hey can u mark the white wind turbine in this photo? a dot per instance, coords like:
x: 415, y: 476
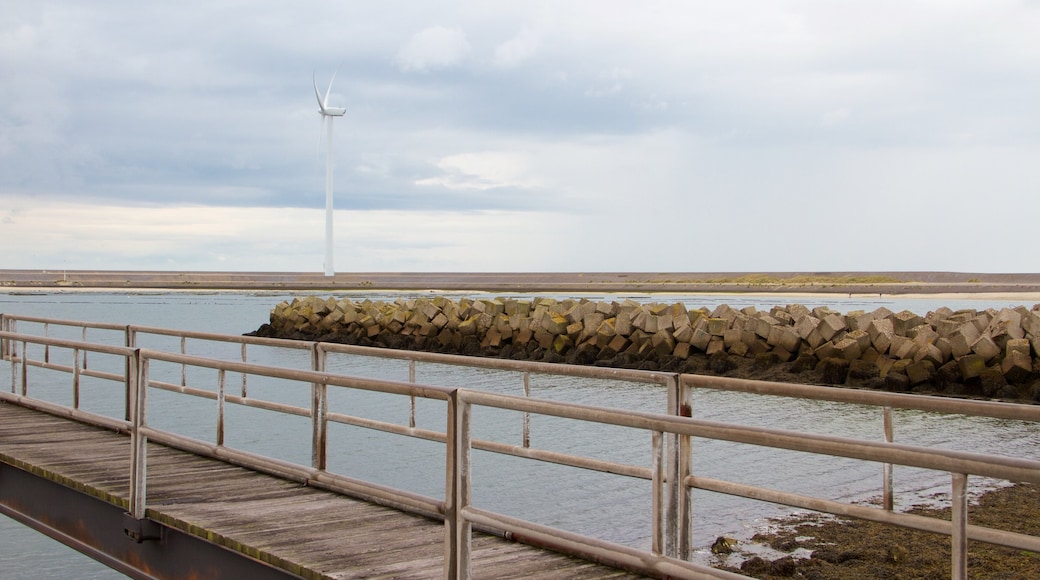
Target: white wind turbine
x: 328, y: 113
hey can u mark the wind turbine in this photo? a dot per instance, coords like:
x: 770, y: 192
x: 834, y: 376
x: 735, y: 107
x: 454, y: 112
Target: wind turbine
x: 328, y: 113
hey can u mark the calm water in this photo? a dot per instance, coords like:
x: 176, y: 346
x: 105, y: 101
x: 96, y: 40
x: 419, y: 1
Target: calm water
x: 610, y: 507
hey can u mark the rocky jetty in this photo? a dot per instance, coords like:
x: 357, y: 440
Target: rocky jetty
x: 982, y: 353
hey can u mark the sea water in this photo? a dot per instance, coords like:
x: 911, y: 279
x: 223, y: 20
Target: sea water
x: 611, y: 507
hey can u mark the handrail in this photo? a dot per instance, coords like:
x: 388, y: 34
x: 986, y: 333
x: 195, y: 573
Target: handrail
x: 994, y: 409
x: 667, y: 555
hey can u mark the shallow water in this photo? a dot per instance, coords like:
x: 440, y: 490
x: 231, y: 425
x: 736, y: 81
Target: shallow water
x: 607, y: 506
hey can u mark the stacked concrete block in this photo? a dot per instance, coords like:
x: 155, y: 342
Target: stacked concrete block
x: 944, y: 348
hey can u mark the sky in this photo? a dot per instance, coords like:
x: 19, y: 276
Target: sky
x: 535, y: 136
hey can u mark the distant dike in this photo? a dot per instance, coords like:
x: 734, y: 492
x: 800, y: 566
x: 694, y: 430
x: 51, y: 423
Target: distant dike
x: 884, y: 283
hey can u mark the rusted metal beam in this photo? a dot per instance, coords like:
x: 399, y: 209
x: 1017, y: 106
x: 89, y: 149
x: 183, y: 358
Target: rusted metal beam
x: 106, y: 533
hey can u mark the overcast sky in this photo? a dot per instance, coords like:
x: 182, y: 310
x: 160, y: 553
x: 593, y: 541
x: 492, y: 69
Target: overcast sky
x: 522, y: 136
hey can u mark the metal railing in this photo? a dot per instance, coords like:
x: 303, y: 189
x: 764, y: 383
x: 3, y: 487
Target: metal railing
x: 671, y: 456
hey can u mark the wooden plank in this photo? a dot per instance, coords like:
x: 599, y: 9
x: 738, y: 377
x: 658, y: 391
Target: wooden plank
x: 275, y: 520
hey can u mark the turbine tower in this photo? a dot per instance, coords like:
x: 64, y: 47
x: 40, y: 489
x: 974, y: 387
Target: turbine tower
x: 328, y: 113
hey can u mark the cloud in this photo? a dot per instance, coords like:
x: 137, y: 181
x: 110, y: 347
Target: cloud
x: 481, y: 171
x: 436, y: 47
x: 666, y: 135
x: 518, y: 49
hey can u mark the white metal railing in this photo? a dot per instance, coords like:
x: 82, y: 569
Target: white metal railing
x: 670, y: 435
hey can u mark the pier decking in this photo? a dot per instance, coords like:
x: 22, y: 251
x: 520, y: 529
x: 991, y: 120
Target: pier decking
x: 300, y: 530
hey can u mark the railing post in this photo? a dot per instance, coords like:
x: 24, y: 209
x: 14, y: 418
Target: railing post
x: 137, y: 386
x: 959, y: 519
x: 888, y: 497
x: 85, y: 352
x: 25, y: 369
x: 319, y: 410
x: 75, y: 377
x: 5, y: 344
x: 244, y: 375
x: 658, y: 495
x: 411, y: 398
x: 130, y: 340
x: 184, y: 367
x: 221, y: 394
x: 527, y: 416
x: 678, y: 541
x: 457, y: 487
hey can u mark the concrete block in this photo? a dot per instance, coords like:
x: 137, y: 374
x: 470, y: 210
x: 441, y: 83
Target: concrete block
x: 732, y: 336
x: 1017, y: 345
x: 981, y: 321
x: 683, y: 333
x: 781, y: 315
x: 700, y: 339
x: 663, y: 342
x: 717, y: 326
x: 986, y: 348
x: 902, y: 347
x: 971, y: 366
x: 883, y: 343
x: 764, y: 324
x: 923, y: 334
x: 943, y: 344
x: 903, y: 321
x: 591, y: 323
x: 806, y: 325
x: 739, y: 349
x: 847, y: 349
x: 870, y: 354
x: 758, y: 346
x: 962, y: 339
x: 826, y: 350
x: 1007, y: 322
x: 715, y: 345
x: 797, y: 311
x: 814, y: 339
x: 883, y: 364
x: 783, y: 354
x: 1017, y: 367
x: 946, y: 327
x: 724, y: 311
x: 619, y: 344
x: 830, y: 326
x: 920, y: 372
x: 623, y: 322
x: 861, y: 338
x: 784, y: 337
x: 929, y: 352
x: 899, y: 366
x: 881, y: 312
x: 852, y: 320
x: 1031, y: 323
x: 682, y: 350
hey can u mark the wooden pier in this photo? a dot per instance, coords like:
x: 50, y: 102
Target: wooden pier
x: 299, y: 530
x: 153, y: 503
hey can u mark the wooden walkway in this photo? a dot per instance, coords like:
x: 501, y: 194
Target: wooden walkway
x: 306, y: 531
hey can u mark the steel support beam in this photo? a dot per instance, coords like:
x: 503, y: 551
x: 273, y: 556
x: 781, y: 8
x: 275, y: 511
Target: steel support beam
x: 106, y: 533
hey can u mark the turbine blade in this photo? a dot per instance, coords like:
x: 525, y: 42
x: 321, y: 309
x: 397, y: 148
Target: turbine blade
x: 329, y: 90
x: 317, y: 94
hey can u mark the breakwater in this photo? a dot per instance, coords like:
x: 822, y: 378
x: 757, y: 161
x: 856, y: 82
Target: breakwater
x: 984, y: 353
